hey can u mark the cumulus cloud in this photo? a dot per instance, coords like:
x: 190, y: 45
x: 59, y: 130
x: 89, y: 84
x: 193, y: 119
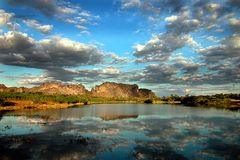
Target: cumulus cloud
x: 156, y: 73
x: 112, y: 58
x: 63, y: 11
x: 84, y: 76
x: 20, y: 49
x: 153, y: 6
x: 188, y: 74
x: 92, y: 75
x: 215, y: 65
x: 182, y: 23
x: 160, y: 47
x: 35, y: 80
x: 224, y: 76
x: 234, y: 24
x: 36, y: 25
x: 211, y: 38
x: 47, y: 7
x: 229, y: 48
x: 6, y: 19
x: 80, y: 18
x: 206, y: 89
x: 131, y: 3
x: 55, y: 55
x: 17, y: 48
x: 185, y: 65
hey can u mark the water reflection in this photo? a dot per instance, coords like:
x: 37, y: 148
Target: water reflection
x: 115, y: 117
x: 121, y: 132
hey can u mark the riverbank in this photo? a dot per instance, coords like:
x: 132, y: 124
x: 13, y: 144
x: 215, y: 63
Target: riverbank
x: 13, y: 101
x: 18, y: 105
x: 13, y: 105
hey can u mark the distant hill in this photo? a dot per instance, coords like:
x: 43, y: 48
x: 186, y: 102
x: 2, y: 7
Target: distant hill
x: 106, y: 90
x: 58, y: 88
x: 111, y: 89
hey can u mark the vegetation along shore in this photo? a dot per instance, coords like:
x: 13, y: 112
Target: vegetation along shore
x: 56, y: 95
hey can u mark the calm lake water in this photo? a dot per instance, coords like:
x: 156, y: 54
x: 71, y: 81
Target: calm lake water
x: 121, y: 131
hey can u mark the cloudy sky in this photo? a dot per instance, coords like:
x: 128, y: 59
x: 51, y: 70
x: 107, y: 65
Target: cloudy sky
x: 169, y: 46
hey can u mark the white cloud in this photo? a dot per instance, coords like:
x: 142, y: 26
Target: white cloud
x: 131, y: 3
x: 19, y: 49
x: 234, y: 23
x: 213, y: 7
x: 212, y: 38
x: 36, y: 25
x: 35, y: 79
x: 171, y: 18
x: 66, y: 10
x: 160, y: 47
x: 5, y: 17
x: 182, y: 23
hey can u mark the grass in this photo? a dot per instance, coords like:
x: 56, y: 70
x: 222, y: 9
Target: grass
x: 41, y: 100
x: 70, y: 99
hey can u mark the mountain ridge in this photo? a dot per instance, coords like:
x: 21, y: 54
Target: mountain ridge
x: 106, y: 89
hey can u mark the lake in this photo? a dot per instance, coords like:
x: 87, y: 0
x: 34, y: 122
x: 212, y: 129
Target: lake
x: 121, y: 131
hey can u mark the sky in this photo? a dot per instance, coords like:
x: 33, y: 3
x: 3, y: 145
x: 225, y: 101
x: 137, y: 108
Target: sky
x: 170, y: 46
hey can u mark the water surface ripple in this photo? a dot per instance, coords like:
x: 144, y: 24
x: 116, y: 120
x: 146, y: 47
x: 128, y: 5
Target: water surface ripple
x: 121, y: 131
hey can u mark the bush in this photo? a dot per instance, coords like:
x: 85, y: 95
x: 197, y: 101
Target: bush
x: 148, y: 101
x: 41, y: 98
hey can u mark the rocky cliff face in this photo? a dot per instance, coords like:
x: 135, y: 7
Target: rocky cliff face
x: 107, y: 89
x: 146, y: 93
x: 119, y: 90
x: 2, y: 87
x: 57, y: 88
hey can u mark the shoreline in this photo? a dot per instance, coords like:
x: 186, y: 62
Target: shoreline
x: 17, y: 105
x: 29, y: 105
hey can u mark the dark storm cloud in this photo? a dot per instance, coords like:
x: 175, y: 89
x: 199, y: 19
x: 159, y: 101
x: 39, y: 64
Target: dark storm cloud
x: 47, y: 7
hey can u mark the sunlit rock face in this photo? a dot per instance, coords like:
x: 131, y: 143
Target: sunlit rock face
x: 111, y: 89
x: 146, y: 93
x: 57, y: 88
x: 2, y: 87
x: 107, y: 89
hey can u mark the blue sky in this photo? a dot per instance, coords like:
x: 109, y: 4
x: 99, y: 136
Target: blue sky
x: 172, y: 47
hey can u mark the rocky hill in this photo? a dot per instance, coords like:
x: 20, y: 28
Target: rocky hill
x: 2, y: 87
x: 57, y: 88
x: 119, y: 90
x: 107, y: 89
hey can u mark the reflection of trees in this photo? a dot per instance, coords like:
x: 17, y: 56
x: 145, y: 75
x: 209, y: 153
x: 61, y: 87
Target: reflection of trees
x: 115, y: 117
